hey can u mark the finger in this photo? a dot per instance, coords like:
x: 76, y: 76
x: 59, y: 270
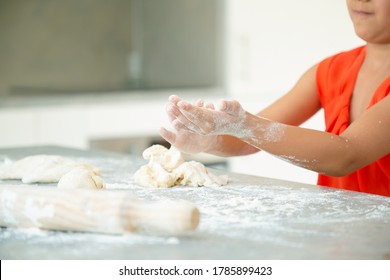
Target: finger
x: 168, y: 135
x: 196, y: 119
x: 183, y: 122
x: 177, y: 125
x: 229, y: 106
x: 193, y: 113
x: 209, y: 106
x: 175, y: 114
x: 199, y: 103
x: 174, y: 99
x: 183, y: 105
x: 188, y: 109
x: 223, y: 105
x: 172, y: 111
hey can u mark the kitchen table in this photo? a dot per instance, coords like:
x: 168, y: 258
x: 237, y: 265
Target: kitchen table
x: 250, y: 218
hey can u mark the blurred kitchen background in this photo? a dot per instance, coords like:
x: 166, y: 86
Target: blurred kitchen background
x: 97, y: 73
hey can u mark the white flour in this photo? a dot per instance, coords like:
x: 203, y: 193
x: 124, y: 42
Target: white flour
x: 35, y: 211
x: 8, y: 199
x: 249, y: 210
x: 274, y: 132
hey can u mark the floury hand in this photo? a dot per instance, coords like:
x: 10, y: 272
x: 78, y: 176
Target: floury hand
x: 230, y: 119
x: 182, y: 138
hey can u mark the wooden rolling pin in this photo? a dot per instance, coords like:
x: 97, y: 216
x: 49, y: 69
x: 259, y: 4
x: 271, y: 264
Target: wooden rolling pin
x: 104, y: 211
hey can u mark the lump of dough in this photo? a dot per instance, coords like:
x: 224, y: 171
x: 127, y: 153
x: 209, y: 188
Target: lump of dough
x: 196, y: 174
x: 154, y: 175
x: 168, y: 159
x: 166, y: 168
x: 41, y: 168
x: 81, y: 178
x: 37, y: 168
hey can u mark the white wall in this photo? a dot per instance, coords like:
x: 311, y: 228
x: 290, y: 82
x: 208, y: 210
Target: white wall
x: 269, y: 46
x: 271, y: 43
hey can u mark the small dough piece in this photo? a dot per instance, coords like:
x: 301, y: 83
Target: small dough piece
x: 166, y: 168
x: 168, y: 159
x: 38, y: 168
x: 50, y: 169
x: 154, y: 175
x: 81, y: 178
x: 195, y: 174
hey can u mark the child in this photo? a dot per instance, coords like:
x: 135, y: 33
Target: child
x: 352, y: 87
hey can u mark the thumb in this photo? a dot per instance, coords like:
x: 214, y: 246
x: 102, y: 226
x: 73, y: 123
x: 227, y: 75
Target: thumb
x: 229, y: 106
x: 168, y: 135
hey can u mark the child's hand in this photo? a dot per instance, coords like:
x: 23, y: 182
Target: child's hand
x: 230, y: 119
x: 182, y: 138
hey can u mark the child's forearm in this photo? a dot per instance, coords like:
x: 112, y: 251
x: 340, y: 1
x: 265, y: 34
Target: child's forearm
x: 228, y: 146
x: 311, y: 149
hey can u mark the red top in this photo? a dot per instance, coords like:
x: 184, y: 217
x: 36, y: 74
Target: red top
x: 336, y: 78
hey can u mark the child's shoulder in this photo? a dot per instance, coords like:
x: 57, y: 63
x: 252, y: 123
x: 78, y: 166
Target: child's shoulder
x: 334, y: 66
x: 345, y: 57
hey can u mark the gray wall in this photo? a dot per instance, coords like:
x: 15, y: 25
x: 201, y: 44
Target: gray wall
x: 103, y: 45
x: 181, y: 43
x: 65, y: 45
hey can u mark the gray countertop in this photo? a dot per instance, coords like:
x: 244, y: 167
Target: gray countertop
x: 250, y: 218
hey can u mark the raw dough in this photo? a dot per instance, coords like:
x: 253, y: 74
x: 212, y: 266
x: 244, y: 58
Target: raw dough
x: 195, y: 174
x: 38, y: 168
x: 154, y: 175
x: 166, y: 168
x: 50, y: 169
x: 168, y: 159
x: 81, y: 178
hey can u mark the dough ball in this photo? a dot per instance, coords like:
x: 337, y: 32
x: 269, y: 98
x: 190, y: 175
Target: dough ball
x: 50, y: 169
x: 196, y: 174
x: 166, y: 168
x: 168, y: 159
x: 37, y: 168
x: 154, y: 175
x: 81, y: 178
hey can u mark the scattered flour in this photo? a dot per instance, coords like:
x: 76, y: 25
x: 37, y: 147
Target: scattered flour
x: 274, y: 132
x: 34, y: 211
x: 8, y: 199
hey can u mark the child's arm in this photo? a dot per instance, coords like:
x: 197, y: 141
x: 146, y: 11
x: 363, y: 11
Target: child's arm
x: 364, y: 141
x: 294, y: 108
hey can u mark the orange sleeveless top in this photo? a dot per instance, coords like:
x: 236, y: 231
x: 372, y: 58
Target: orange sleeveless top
x: 336, y: 78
